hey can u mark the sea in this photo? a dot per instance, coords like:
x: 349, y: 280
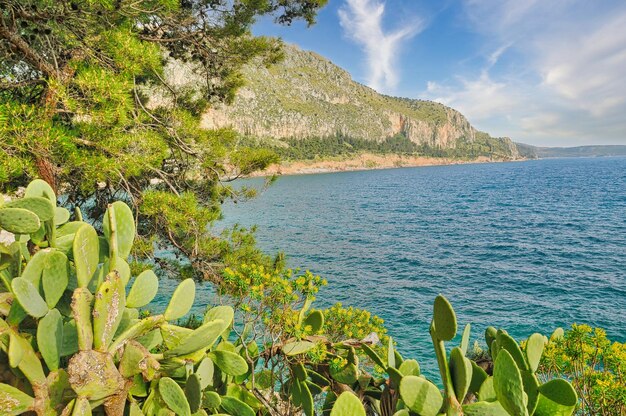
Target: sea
x: 523, y: 246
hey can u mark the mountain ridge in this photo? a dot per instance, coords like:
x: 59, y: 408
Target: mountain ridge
x: 574, y: 151
x: 307, y: 96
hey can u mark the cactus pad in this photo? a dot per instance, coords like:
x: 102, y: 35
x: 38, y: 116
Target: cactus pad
x: 490, y: 335
x: 193, y: 392
x: 507, y: 342
x: 508, y: 384
x: 347, y: 404
x: 85, y: 252
x: 484, y: 409
x: 14, y: 401
x: 557, y: 398
x: 50, y: 338
x: 421, y: 396
x: 205, y: 372
x: 34, y: 268
x: 444, y: 319
x: 108, y: 310
x: 478, y: 378
x: 534, y: 350
x: 234, y: 406
x: 557, y: 334
x: 229, y: 362
x: 55, y: 277
x: 486, y: 391
x: 61, y: 216
x: 531, y: 388
x: 174, y: 397
x: 409, y: 368
x: 314, y: 321
x: 297, y: 347
x: 144, y: 289
x: 125, y: 227
x: 40, y: 188
x: 81, y: 312
x: 465, y: 338
x: 200, y: 338
x: 29, y: 297
x: 42, y: 207
x: 19, y: 220
x: 461, y: 371
x: 93, y: 375
x: 181, y: 301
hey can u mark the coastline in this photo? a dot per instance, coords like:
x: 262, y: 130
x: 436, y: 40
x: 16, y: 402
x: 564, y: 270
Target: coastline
x: 366, y: 161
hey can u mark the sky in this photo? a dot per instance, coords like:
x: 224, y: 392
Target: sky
x: 543, y: 72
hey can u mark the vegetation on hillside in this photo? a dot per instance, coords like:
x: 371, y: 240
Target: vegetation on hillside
x: 294, y: 149
x: 581, y: 151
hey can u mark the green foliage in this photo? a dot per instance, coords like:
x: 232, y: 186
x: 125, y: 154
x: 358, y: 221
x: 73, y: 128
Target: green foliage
x: 87, y: 103
x: 595, y: 365
x: 107, y: 356
x: 467, y: 389
x: 347, y: 404
x: 311, y: 148
x: 93, y: 350
x: 353, y: 323
x: 482, y: 145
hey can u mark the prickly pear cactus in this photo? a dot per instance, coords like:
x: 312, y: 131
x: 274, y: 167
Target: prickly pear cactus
x: 90, y: 351
x: 73, y: 342
x: 347, y: 404
x: 514, y: 389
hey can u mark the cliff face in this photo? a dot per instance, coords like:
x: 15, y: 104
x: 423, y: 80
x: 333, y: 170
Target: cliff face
x: 308, y: 96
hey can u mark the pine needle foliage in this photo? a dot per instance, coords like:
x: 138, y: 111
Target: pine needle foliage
x: 78, y: 81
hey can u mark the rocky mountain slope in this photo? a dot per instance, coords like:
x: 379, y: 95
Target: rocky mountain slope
x: 307, y: 96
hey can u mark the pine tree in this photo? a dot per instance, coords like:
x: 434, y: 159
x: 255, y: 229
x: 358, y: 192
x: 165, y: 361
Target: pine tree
x: 77, y: 86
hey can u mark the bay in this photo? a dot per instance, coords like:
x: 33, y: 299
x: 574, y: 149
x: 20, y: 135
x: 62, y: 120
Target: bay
x: 524, y: 246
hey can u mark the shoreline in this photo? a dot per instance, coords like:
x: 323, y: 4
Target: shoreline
x: 367, y: 161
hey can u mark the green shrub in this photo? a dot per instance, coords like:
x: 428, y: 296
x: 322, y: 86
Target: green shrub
x: 595, y: 365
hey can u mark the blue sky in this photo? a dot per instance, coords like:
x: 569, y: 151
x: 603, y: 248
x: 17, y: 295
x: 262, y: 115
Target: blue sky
x: 544, y: 72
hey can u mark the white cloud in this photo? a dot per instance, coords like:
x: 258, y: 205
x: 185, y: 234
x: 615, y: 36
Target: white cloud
x: 588, y: 68
x: 495, y: 55
x: 479, y: 99
x: 362, y: 21
x: 567, y: 83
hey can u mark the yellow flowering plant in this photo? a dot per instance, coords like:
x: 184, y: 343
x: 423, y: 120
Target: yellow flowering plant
x: 595, y: 365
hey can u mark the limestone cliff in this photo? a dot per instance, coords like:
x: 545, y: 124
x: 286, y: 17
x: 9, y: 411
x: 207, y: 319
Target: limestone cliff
x: 308, y: 96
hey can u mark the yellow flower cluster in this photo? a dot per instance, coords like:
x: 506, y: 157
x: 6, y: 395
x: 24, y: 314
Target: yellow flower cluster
x: 275, y: 296
x: 353, y: 322
x: 595, y: 365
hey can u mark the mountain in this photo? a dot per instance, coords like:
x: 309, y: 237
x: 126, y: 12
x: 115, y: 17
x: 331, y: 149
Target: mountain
x: 308, y: 97
x: 581, y: 151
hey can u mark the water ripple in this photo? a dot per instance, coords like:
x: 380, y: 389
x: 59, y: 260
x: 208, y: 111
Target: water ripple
x: 526, y: 246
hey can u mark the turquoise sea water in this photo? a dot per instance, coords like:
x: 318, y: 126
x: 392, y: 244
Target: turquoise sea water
x: 525, y: 246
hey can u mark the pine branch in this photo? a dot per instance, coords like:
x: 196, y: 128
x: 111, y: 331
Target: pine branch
x: 29, y: 54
